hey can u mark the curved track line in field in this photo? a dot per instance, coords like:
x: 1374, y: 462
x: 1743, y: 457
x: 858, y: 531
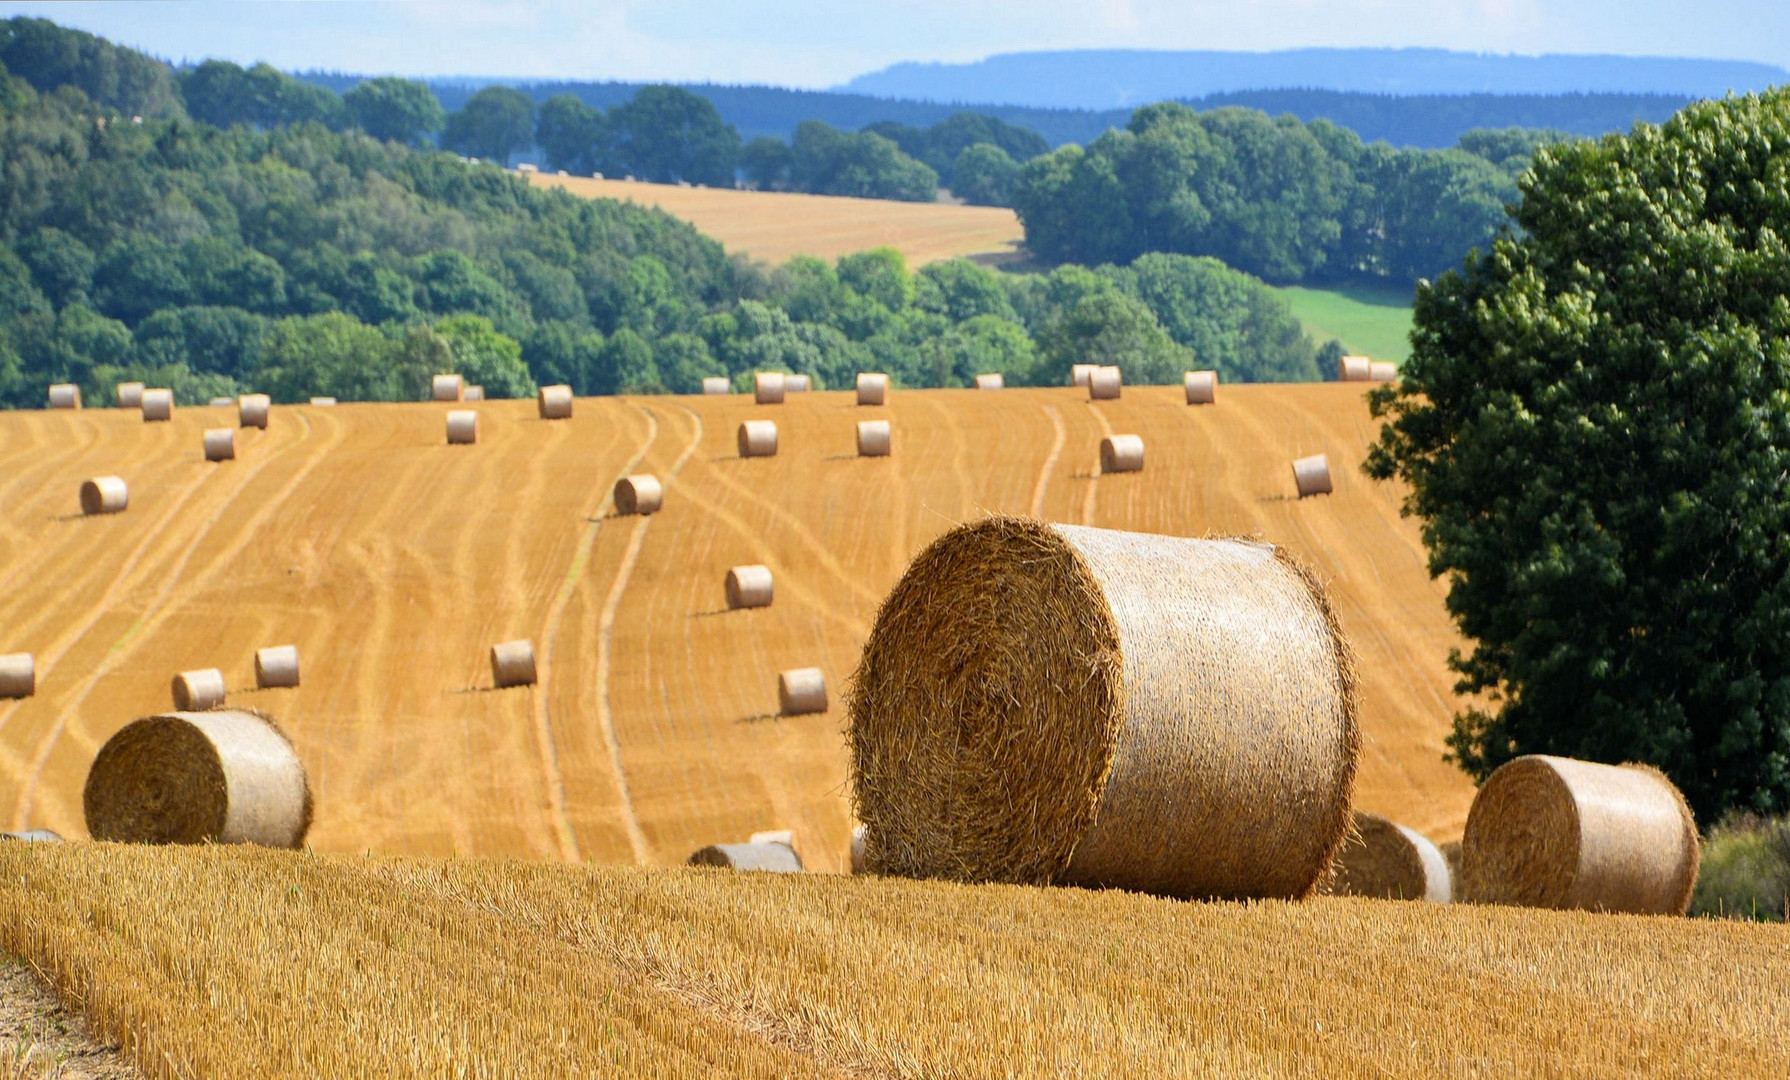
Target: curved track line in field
x: 605, y: 637
x: 1087, y: 500
x: 1050, y: 460
x: 545, y: 740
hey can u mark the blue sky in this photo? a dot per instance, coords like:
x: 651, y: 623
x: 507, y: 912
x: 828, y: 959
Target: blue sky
x: 824, y: 42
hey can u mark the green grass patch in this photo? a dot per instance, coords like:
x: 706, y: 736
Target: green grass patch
x: 1372, y: 320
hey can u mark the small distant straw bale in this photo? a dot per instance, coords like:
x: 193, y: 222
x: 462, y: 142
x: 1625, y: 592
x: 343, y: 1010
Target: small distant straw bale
x: 1354, y: 369
x: 104, y: 495
x: 158, y: 404
x: 1387, y: 860
x: 447, y: 388
x: 639, y: 494
x: 18, y: 675
x: 462, y: 427
x: 1312, y: 475
x: 252, y: 410
x: 323, y: 402
x: 1104, y: 383
x: 749, y: 586
x: 475, y: 392
x: 130, y: 395
x: 221, y: 402
x: 228, y: 776
x: 795, y: 384
x: 1553, y: 832
x: 34, y: 836
x: 990, y: 381
x: 801, y: 690
x: 1121, y: 453
x: 716, y: 384
x: 874, y: 438
x: 758, y: 438
x: 220, y: 444
x: 1382, y: 371
x: 513, y: 664
x: 873, y: 388
x: 65, y: 395
x: 554, y: 402
x: 1080, y: 373
x: 773, y: 857
x: 198, y: 690
x: 767, y: 387
x: 1201, y: 386
x: 276, y: 666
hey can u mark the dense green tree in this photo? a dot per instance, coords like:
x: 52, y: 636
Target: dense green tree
x: 139, y: 276
x: 879, y: 274
x: 562, y: 352
x: 1595, y: 426
x: 684, y: 360
x: 767, y: 163
x: 960, y: 290
x: 1231, y: 321
x: 60, y: 265
x: 667, y: 134
x: 222, y: 93
x: 940, y: 146
x: 19, y: 295
x: 862, y: 164
x: 486, y: 357
x: 394, y: 110
x: 980, y: 345
x: 1510, y: 148
x: 1110, y: 328
x: 48, y: 56
x: 573, y: 135
x: 337, y: 355
x: 211, y: 340
x: 984, y: 175
x: 495, y: 123
x: 627, y: 367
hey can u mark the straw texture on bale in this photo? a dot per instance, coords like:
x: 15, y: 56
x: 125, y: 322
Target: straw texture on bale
x: 158, y: 404
x: 1386, y: 860
x: 1558, y: 833
x: 873, y: 388
x: 513, y: 664
x: 749, y: 586
x: 1079, y: 373
x: 473, y: 393
x: 857, y: 850
x: 767, y: 387
x: 990, y: 381
x: 1451, y: 853
x: 34, y: 836
x: 874, y: 438
x: 1050, y: 703
x: 323, y: 402
x: 104, y: 495
x: 773, y: 857
x: 65, y: 396
x: 795, y: 384
x: 229, y: 776
x: 554, y: 402
x: 198, y: 690
x: 221, y: 402
x: 1354, y: 369
x: 640, y: 494
x: 716, y: 384
x: 1201, y: 386
x: 1104, y: 384
x: 18, y: 675
x: 447, y: 388
x: 276, y: 666
x: 1382, y: 371
x: 758, y: 438
x: 220, y: 444
x: 1311, y: 475
x: 462, y: 427
x: 801, y: 691
x: 1122, y: 453
x: 130, y: 395
x: 252, y: 410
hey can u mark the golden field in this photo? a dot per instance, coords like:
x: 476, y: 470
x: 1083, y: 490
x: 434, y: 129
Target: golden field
x: 771, y: 226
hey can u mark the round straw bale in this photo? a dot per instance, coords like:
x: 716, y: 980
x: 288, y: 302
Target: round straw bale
x: 1104, y: 383
x: 252, y: 409
x: 1382, y: 371
x: 774, y: 857
x: 795, y: 384
x: 130, y: 395
x: 639, y: 494
x: 990, y: 381
x: 1122, y: 453
x: 773, y: 836
x: 198, y: 690
x: 1201, y: 386
x: 447, y: 388
x: 276, y: 665
x: 716, y: 384
x: 767, y: 387
x: 801, y: 690
x: 873, y: 388
x: 220, y: 444
x: 474, y: 392
x: 1080, y: 373
x: 554, y: 402
x: 1558, y: 833
x: 857, y: 850
x: 1050, y: 703
x: 221, y: 402
x: 874, y: 438
x: 1386, y: 860
x: 758, y: 438
x: 104, y: 495
x: 323, y: 402
x: 749, y: 586
x: 1312, y: 475
x: 462, y: 427
x: 1354, y: 369
x: 34, y: 836
x: 1451, y: 853
x: 65, y: 395
x: 158, y: 404
x: 228, y: 777
x: 18, y: 675
x: 513, y: 664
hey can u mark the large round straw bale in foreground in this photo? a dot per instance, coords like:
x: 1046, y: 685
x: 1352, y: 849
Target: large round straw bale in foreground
x: 1354, y: 369
x: 767, y: 387
x: 65, y: 396
x: 276, y: 665
x: 227, y: 777
x: 801, y: 691
x: 1389, y: 861
x: 1049, y: 703
x: 104, y: 495
x: 220, y: 444
x: 130, y: 395
x: 1558, y: 833
x: 18, y: 675
x: 873, y: 388
x: 1311, y: 475
x: 462, y: 427
x: 1104, y: 384
x: 447, y: 388
x: 716, y: 384
x: 513, y: 664
x: 252, y: 409
x: 758, y: 438
x: 990, y: 381
x: 554, y: 402
x: 874, y: 438
x: 749, y: 586
x: 1122, y: 453
x: 1080, y: 373
x: 198, y: 690
x: 158, y: 404
x: 772, y: 856
x: 1201, y: 387
x: 640, y: 494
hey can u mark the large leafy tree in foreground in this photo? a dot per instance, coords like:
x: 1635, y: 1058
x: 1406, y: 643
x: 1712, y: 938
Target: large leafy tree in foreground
x: 1595, y: 423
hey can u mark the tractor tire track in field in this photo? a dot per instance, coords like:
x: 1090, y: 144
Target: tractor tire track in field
x: 1050, y: 461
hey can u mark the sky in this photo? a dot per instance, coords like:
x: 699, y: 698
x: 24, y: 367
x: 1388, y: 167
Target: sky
x: 820, y: 43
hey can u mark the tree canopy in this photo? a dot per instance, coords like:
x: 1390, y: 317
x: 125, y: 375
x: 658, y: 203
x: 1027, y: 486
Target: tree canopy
x: 496, y: 122
x: 394, y: 109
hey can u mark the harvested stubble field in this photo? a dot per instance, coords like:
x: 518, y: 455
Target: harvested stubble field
x: 394, y: 562
x: 771, y: 226
x: 246, y: 962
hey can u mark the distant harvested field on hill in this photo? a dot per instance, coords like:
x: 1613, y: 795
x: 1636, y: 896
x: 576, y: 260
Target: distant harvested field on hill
x: 1371, y: 321
x: 771, y: 226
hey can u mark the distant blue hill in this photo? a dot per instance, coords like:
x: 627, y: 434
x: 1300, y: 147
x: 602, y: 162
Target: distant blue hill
x: 1116, y: 78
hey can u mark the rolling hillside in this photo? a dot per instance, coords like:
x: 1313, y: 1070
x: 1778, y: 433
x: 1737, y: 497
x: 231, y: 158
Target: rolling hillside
x: 394, y: 561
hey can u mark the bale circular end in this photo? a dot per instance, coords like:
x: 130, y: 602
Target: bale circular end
x: 198, y: 690
x: 158, y: 404
x: 1201, y: 387
x: 513, y: 664
x: 639, y: 495
x: 990, y: 381
x: 1121, y: 453
x: 228, y: 777
x: 447, y: 388
x: 1104, y: 383
x: 1311, y: 475
x: 18, y: 675
x: 774, y: 857
x: 875, y: 438
x: 801, y: 691
x: 768, y: 387
x: 276, y: 666
x: 65, y: 396
x: 462, y: 427
x: 1390, y: 862
x: 220, y: 444
x: 749, y: 586
x: 758, y: 438
x: 252, y: 410
x: 1354, y: 369
x: 554, y: 402
x: 873, y: 388
x: 104, y: 495
x: 130, y: 395
x: 716, y: 384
